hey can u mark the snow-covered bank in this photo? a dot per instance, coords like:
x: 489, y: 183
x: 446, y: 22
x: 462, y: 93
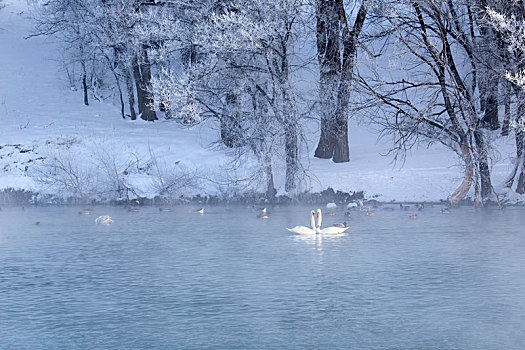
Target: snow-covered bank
x: 52, y: 144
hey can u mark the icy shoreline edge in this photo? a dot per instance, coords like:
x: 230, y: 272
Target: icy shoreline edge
x: 14, y: 197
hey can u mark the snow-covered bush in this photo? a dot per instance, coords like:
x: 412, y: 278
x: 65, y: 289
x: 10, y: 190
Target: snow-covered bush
x: 101, y: 170
x: 171, y: 180
x: 63, y: 174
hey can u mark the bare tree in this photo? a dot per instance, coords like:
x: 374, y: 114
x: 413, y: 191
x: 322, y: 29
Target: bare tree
x: 105, y: 36
x: 434, y: 94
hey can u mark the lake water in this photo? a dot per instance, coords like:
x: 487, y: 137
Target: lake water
x: 227, y: 280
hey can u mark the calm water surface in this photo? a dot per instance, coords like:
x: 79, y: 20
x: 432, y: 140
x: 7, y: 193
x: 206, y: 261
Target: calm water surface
x: 227, y: 280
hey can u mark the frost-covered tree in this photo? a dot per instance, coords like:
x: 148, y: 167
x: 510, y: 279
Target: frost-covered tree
x: 238, y: 65
x: 508, y: 18
x: 263, y: 32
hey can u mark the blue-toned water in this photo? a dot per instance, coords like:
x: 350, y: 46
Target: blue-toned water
x: 227, y: 280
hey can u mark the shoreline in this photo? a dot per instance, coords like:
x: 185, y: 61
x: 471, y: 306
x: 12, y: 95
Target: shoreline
x: 20, y: 197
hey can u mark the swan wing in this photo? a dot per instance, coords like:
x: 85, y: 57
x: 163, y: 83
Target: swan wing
x: 333, y: 230
x: 301, y: 230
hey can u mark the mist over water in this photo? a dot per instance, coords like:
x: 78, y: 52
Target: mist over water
x: 227, y: 280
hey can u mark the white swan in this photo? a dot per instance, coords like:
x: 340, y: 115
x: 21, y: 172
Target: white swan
x: 104, y: 220
x: 303, y: 230
x: 332, y: 230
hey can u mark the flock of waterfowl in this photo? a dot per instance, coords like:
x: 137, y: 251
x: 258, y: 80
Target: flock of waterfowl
x: 315, y: 227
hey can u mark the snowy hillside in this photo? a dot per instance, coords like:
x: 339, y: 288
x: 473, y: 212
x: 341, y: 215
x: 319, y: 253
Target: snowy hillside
x: 41, y: 118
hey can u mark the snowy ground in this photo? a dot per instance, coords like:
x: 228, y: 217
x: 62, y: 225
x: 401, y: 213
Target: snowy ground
x: 41, y: 118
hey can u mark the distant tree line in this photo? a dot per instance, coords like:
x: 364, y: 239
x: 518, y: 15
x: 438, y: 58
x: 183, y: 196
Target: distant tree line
x: 422, y: 71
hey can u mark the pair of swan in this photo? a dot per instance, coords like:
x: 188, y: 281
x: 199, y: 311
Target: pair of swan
x: 303, y: 230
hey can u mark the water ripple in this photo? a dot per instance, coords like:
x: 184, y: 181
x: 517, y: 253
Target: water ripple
x: 232, y: 281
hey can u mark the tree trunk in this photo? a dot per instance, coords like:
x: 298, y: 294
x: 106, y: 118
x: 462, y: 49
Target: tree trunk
x: 142, y: 76
x: 270, y: 187
x: 138, y: 79
x: 131, y: 94
x: 328, y: 55
x: 291, y: 151
x: 520, y: 188
x: 490, y: 118
x: 230, y: 127
x: 482, y: 87
x: 84, y: 84
x: 483, y: 165
x: 148, y: 112
x: 122, y: 109
x: 341, y: 150
x: 114, y: 66
x: 520, y: 136
x: 325, y: 147
x: 464, y: 187
x: 509, y: 181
